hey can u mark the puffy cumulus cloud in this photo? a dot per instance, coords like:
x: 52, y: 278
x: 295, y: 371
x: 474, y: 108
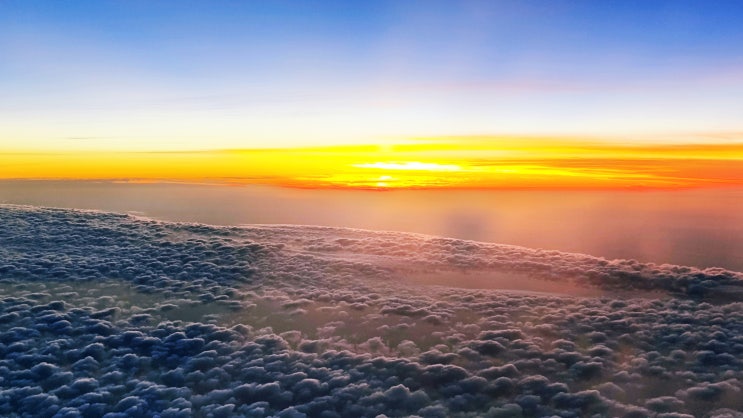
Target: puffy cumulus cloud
x: 116, y: 316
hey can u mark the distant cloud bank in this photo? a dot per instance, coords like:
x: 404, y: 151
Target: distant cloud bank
x: 112, y: 315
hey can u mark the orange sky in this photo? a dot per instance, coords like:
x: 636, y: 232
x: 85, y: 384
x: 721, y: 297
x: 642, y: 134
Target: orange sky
x: 447, y: 162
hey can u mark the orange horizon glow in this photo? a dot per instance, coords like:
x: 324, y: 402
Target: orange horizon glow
x: 434, y: 163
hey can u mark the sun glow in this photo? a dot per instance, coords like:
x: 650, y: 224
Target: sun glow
x: 497, y: 163
x: 410, y: 165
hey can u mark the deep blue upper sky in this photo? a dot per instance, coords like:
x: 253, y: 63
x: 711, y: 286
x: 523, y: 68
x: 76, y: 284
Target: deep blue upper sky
x: 179, y: 73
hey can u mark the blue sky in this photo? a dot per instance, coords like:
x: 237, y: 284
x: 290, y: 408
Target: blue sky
x: 143, y: 74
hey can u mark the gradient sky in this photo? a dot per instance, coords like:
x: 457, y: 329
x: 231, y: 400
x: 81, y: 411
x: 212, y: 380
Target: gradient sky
x: 131, y: 76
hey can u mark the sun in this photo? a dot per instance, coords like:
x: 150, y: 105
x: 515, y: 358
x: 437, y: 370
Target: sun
x: 383, y: 182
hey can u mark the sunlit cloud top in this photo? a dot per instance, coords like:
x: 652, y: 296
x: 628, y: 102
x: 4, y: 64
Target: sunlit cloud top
x: 136, y: 75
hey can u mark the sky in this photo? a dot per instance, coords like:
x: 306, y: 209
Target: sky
x: 493, y: 94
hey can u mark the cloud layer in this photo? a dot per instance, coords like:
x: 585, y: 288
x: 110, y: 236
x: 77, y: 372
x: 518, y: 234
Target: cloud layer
x: 112, y: 315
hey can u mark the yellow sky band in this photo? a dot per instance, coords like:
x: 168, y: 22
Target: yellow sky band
x: 443, y: 163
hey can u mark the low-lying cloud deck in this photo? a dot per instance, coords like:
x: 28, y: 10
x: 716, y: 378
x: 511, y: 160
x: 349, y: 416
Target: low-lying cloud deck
x: 113, y: 315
